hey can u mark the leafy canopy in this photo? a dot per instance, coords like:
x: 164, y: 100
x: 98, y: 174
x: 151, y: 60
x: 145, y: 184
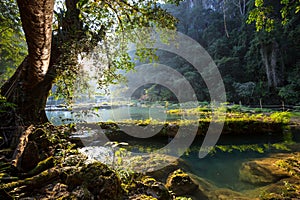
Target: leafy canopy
x: 94, y: 29
x: 263, y: 14
x: 106, y: 27
x: 12, y: 42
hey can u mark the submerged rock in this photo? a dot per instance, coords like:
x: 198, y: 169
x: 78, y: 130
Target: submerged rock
x: 262, y: 171
x: 158, y: 166
x: 288, y: 188
x: 209, y: 191
x: 225, y: 194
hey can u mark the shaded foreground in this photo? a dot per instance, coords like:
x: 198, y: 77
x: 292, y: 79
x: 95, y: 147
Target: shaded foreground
x: 50, y: 167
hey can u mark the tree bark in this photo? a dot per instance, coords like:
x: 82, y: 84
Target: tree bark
x: 30, y: 102
x: 29, y: 87
x: 36, y: 17
x: 270, y: 54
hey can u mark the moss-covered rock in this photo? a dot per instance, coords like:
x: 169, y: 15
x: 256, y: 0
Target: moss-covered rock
x: 290, y: 164
x: 74, y: 160
x: 41, y: 166
x: 81, y: 192
x: 54, y: 191
x: 101, y: 181
x: 147, y: 187
x: 156, y: 189
x: 181, y: 183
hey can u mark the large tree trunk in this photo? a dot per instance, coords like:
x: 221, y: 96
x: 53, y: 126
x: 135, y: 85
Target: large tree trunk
x: 30, y: 85
x: 30, y: 102
x: 28, y: 88
x: 273, y: 64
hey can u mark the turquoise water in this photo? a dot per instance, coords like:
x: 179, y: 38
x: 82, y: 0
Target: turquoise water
x: 220, y: 167
x: 158, y: 113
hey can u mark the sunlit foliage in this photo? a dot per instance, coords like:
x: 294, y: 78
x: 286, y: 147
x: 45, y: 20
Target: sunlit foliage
x: 12, y: 42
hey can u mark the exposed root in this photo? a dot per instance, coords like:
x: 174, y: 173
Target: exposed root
x: 23, y: 141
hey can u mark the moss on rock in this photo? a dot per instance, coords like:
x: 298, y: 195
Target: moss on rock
x: 147, y: 187
x: 101, y: 181
x: 181, y: 183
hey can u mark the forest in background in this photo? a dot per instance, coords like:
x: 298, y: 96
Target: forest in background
x: 255, y: 65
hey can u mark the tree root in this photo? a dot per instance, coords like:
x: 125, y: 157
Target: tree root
x: 35, y: 182
x: 23, y: 141
x: 42, y: 165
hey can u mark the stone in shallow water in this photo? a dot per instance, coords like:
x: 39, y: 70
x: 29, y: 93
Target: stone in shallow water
x: 225, y: 194
x: 158, y: 166
x: 261, y: 171
x: 182, y: 184
x: 153, y: 164
x: 148, y: 188
x: 75, y: 160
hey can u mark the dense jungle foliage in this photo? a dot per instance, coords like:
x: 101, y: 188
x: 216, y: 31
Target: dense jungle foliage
x: 258, y: 62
